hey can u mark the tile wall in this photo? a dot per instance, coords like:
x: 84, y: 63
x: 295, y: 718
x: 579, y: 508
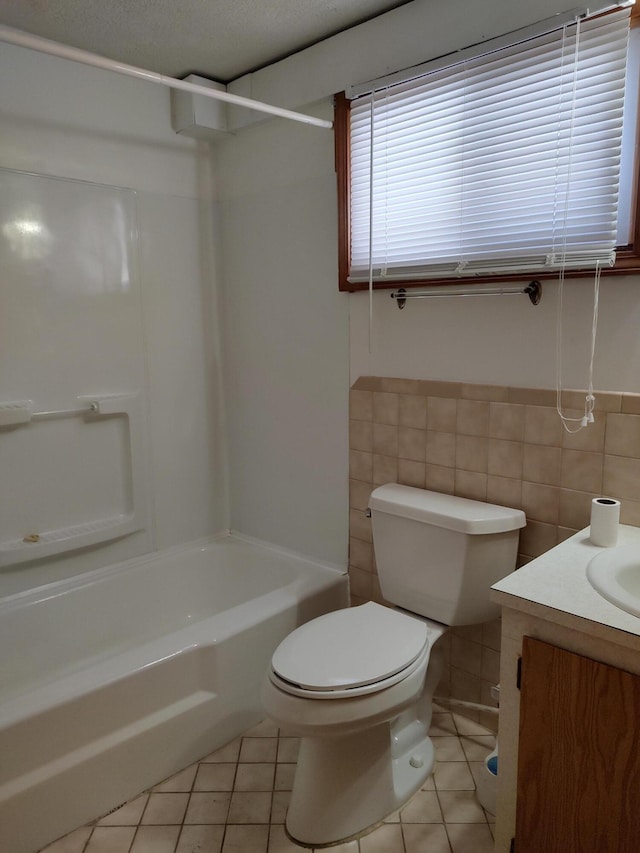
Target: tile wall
x: 498, y: 444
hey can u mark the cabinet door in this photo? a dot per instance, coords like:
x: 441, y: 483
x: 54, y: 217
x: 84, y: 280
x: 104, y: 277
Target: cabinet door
x: 579, y: 755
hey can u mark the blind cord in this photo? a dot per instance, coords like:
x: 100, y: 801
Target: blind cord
x: 573, y: 425
x: 371, y: 129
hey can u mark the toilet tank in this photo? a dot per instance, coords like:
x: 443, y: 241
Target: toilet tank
x: 437, y: 555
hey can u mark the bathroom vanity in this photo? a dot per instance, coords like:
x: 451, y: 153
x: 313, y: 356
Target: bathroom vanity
x: 569, y: 766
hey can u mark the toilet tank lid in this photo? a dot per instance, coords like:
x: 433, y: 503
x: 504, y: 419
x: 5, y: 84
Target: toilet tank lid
x: 449, y: 511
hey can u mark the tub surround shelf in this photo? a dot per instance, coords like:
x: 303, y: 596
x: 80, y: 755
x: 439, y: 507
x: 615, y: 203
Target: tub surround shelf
x: 34, y: 544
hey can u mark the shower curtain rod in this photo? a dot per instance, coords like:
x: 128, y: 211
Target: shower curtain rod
x: 533, y: 290
x: 42, y: 45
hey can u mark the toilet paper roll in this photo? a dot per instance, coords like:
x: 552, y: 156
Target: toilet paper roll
x: 605, y: 518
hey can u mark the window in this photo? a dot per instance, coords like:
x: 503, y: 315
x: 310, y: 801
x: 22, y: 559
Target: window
x: 498, y: 166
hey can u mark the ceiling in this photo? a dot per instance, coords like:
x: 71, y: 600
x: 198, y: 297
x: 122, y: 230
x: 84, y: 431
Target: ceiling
x: 220, y: 39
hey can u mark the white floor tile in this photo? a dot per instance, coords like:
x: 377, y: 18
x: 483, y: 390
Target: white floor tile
x: 267, y: 728
x: 182, y: 781
x: 127, y: 815
x: 448, y: 748
x: 477, y: 747
x: 110, y: 839
x: 279, y: 842
x: 279, y: 806
x: 461, y: 807
x: 385, y: 839
x: 288, y: 748
x: 227, y: 753
x: 284, y: 777
x: 470, y: 838
x: 442, y: 724
x: 72, y: 843
x: 423, y: 807
x: 254, y: 777
x: 165, y: 809
x: 453, y: 776
x: 155, y: 839
x: 200, y: 839
x: 258, y: 749
x: 215, y: 777
x: 253, y: 808
x: 423, y: 837
x: 208, y: 807
x: 246, y: 839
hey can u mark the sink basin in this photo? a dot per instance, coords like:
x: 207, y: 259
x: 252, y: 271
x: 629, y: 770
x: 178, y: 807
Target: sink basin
x: 615, y: 574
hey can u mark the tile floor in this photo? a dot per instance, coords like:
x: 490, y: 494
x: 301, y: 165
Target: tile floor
x: 235, y: 800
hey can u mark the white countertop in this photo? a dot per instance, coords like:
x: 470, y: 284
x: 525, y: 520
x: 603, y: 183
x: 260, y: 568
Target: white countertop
x: 558, y: 580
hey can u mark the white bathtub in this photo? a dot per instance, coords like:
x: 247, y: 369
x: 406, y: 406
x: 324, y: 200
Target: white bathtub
x: 115, y: 680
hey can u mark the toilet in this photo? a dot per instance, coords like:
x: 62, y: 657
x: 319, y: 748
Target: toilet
x: 356, y: 685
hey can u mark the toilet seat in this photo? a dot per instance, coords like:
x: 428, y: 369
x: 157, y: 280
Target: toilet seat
x: 350, y: 652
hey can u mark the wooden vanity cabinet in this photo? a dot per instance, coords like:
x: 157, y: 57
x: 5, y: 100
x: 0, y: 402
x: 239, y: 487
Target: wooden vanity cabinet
x: 578, y: 766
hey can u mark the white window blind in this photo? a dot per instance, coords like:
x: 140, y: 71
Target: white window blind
x: 504, y: 163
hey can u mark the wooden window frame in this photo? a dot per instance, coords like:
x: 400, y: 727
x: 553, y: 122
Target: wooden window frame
x: 627, y: 257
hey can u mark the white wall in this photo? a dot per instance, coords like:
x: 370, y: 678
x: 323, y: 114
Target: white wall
x: 503, y: 340
x: 62, y: 119
x: 286, y: 338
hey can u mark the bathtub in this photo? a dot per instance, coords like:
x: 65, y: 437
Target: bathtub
x: 115, y: 680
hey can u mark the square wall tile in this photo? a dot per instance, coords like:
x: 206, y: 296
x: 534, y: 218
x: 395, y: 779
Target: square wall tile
x: 540, y: 502
x: 412, y: 444
x: 385, y: 439
x: 359, y: 494
x: 541, y: 464
x: 621, y: 478
x: 360, y: 525
x: 623, y: 435
x: 385, y: 469
x: 361, y: 405
x: 575, y: 508
x: 412, y: 411
x: 411, y: 473
x: 361, y: 466
x: 472, y: 417
x: 472, y: 453
x: 505, y: 458
x: 441, y: 414
x: 440, y: 479
x: 506, y: 420
x: 504, y: 491
x: 386, y: 408
x: 582, y: 470
x: 590, y: 438
x: 441, y: 448
x: 543, y: 426
x: 361, y: 554
x: 471, y: 484
x: 361, y: 435
x: 538, y: 537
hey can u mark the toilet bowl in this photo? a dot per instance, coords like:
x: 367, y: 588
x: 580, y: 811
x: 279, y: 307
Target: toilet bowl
x: 356, y: 685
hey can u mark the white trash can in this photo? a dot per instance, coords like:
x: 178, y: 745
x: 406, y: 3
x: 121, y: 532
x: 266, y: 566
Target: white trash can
x: 487, y: 783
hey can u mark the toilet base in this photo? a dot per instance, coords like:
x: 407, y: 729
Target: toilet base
x: 346, y: 785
